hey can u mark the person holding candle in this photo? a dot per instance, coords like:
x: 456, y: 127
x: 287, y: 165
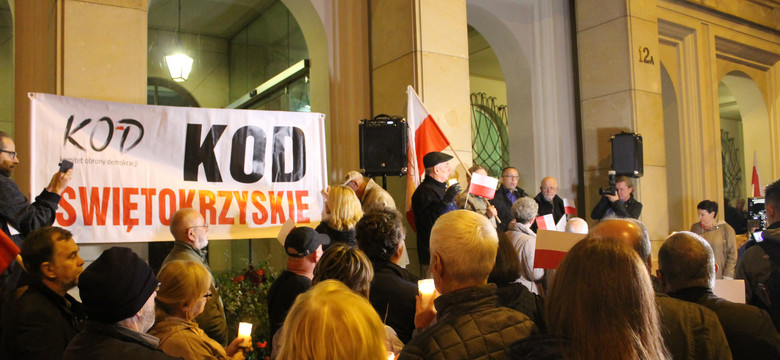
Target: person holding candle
x: 470, y: 323
x: 184, y: 290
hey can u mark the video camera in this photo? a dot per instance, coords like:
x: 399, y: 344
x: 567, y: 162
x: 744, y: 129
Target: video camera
x: 612, y: 189
x: 756, y: 214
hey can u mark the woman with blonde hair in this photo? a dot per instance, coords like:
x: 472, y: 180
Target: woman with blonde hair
x: 330, y: 321
x: 342, y: 212
x: 351, y: 267
x: 184, y: 290
x: 601, y: 305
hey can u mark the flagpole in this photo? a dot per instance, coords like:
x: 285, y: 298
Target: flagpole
x: 459, y: 160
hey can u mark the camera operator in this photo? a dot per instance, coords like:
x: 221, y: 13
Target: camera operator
x: 617, y: 200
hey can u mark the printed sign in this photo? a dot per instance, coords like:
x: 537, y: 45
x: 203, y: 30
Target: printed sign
x: 246, y: 171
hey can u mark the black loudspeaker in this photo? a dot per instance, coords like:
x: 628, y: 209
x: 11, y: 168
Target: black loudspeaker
x: 383, y: 145
x: 627, y: 158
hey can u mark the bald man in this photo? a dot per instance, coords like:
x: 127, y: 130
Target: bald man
x: 549, y: 201
x: 577, y: 226
x: 191, y: 234
x: 690, y: 331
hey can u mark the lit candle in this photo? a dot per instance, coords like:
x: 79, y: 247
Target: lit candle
x: 452, y: 181
x: 427, y: 287
x: 245, y: 332
x: 390, y: 355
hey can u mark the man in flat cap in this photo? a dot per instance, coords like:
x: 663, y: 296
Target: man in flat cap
x: 117, y: 291
x: 430, y: 200
x: 304, y: 249
x: 371, y: 195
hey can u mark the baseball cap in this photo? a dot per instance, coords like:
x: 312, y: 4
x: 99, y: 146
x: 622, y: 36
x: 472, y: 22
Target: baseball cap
x: 303, y: 241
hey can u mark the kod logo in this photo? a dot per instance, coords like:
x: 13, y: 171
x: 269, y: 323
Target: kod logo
x: 99, y: 140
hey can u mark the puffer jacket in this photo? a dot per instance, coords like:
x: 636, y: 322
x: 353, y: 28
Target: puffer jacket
x: 470, y: 325
x: 755, y: 268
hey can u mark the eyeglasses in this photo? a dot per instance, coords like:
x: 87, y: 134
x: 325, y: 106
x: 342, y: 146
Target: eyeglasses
x: 510, y: 176
x: 12, y: 153
x: 207, y: 296
x: 206, y: 226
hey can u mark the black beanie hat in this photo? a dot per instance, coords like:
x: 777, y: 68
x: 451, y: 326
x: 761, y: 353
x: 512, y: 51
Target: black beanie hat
x: 116, y: 285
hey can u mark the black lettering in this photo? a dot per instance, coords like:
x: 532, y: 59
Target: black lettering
x: 196, y: 153
x: 126, y: 133
x: 238, y: 154
x: 69, y: 133
x: 108, y: 137
x: 298, y: 151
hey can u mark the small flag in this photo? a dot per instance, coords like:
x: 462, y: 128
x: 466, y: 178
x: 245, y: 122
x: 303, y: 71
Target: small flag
x: 754, y: 182
x: 286, y: 228
x: 546, y: 222
x: 8, y: 251
x: 552, y: 247
x: 569, y: 208
x: 561, y: 225
x: 482, y: 185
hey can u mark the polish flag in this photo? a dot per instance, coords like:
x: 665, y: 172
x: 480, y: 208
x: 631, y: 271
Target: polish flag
x: 424, y: 136
x: 569, y: 208
x: 754, y: 182
x: 8, y: 251
x: 546, y: 222
x: 552, y: 247
x: 483, y: 185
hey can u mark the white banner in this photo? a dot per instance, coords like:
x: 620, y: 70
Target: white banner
x: 246, y: 171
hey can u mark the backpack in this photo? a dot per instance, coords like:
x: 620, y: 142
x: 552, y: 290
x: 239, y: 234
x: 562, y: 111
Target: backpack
x: 769, y: 291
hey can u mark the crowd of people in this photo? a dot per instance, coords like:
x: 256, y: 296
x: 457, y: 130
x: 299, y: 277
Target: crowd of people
x: 343, y: 294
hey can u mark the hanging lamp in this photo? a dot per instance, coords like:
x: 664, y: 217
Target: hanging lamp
x: 179, y: 64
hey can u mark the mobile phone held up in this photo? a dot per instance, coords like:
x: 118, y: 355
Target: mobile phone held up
x: 65, y: 165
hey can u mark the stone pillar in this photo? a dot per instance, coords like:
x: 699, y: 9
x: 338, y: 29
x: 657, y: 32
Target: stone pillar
x: 620, y: 87
x: 422, y: 43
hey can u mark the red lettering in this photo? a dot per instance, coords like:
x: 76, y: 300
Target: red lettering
x: 276, y: 207
x: 62, y: 220
x: 185, y: 201
x: 257, y: 197
x: 92, y: 206
x: 116, y: 208
x: 165, y: 217
x: 241, y: 201
x: 291, y: 205
x: 207, y: 202
x: 129, y: 205
x: 148, y: 193
x: 223, y: 218
x: 299, y: 217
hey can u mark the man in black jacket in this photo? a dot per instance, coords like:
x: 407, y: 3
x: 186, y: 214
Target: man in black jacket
x: 40, y: 321
x: 18, y: 217
x: 470, y: 324
x: 430, y: 200
x: 621, y: 204
x: 118, y: 291
x: 686, y: 270
x: 548, y: 200
x: 380, y: 234
x: 506, y: 195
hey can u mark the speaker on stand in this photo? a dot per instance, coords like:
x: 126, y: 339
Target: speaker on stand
x: 627, y: 157
x: 383, y: 146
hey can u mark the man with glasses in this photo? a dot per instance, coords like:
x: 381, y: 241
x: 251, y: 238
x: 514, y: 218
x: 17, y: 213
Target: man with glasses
x: 19, y: 217
x: 506, y: 195
x: 191, y: 234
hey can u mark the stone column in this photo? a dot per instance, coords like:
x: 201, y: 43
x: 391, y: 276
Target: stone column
x: 620, y: 87
x: 422, y: 43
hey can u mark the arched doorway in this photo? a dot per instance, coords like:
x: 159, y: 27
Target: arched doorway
x: 671, y: 112
x: 744, y: 121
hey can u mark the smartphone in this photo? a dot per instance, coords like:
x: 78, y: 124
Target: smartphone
x: 65, y: 165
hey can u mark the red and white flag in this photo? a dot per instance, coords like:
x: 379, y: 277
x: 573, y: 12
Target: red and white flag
x: 424, y: 136
x: 546, y: 222
x: 8, y: 251
x: 754, y: 182
x: 552, y: 247
x: 569, y: 208
x: 483, y: 185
